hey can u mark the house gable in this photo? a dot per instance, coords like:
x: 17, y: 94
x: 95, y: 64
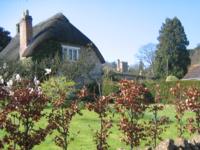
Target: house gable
x: 58, y: 29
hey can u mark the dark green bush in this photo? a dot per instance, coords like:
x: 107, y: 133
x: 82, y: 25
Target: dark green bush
x: 93, y: 88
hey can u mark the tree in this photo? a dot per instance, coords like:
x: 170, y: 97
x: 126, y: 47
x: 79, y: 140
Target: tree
x: 141, y: 67
x: 172, y: 56
x: 134, y: 69
x: 138, y: 69
x: 4, y: 38
x: 147, y: 54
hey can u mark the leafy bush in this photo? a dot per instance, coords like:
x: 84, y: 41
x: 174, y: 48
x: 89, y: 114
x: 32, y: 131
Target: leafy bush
x: 156, y: 126
x: 54, y: 85
x: 9, y: 69
x: 101, y: 107
x: 130, y: 103
x: 178, y: 93
x: 27, y: 68
x: 109, y: 87
x: 59, y: 89
x: 61, y: 118
x: 171, y: 78
x: 20, y: 117
x: 93, y: 88
x: 192, y: 103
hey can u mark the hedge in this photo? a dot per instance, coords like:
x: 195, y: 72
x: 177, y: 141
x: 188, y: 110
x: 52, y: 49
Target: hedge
x: 110, y: 86
x: 167, y: 97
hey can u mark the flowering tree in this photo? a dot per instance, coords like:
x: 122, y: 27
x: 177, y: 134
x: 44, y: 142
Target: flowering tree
x: 130, y: 104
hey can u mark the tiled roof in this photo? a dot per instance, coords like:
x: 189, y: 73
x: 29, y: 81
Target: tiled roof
x: 193, y: 73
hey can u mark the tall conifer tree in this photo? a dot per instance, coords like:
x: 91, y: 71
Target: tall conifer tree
x: 172, y: 57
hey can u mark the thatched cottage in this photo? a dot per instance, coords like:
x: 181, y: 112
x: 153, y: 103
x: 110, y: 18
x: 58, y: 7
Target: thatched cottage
x: 30, y: 41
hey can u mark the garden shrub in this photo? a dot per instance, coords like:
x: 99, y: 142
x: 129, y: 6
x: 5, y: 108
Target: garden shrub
x: 180, y: 107
x: 54, y: 85
x: 9, y: 69
x: 171, y: 78
x: 192, y: 103
x: 157, y: 124
x: 130, y: 104
x: 62, y: 114
x: 109, y: 86
x: 22, y: 114
x: 101, y: 108
x: 93, y: 88
x: 26, y: 68
x: 148, y: 96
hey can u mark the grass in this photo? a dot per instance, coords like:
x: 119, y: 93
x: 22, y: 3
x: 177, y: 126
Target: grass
x: 89, y: 121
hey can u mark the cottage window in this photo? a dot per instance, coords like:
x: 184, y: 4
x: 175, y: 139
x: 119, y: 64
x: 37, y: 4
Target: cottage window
x: 70, y: 52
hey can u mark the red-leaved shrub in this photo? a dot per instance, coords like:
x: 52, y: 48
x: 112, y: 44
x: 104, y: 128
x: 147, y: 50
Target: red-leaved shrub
x: 130, y: 103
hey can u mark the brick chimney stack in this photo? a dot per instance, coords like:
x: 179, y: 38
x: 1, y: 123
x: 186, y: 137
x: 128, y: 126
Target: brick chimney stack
x: 25, y: 32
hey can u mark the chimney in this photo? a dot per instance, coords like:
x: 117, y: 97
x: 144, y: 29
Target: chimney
x: 25, y: 32
x: 17, y: 28
x: 118, y: 65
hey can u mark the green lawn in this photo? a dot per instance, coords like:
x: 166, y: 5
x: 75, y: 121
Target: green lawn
x: 84, y: 140
x: 84, y: 123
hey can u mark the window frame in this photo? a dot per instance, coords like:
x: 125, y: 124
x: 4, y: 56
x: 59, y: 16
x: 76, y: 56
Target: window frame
x: 66, y: 52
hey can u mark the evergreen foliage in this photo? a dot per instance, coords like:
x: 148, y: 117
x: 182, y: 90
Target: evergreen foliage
x: 172, y: 56
x: 4, y: 38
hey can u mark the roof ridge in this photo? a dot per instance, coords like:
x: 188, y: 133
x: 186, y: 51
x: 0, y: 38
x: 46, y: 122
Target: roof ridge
x: 54, y: 17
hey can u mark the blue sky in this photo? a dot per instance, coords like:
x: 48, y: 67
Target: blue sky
x: 118, y: 27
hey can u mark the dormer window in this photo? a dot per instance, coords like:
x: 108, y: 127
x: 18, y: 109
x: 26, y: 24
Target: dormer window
x: 70, y: 52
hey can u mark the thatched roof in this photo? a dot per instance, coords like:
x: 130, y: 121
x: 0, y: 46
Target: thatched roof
x: 193, y: 73
x: 56, y: 28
